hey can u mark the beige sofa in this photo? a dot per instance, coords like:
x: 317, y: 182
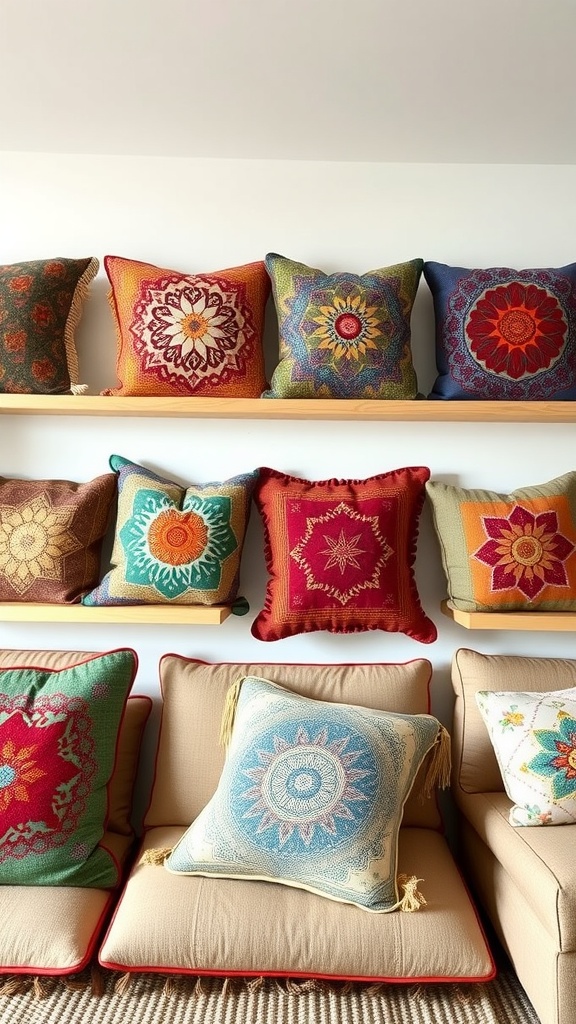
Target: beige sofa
x: 524, y: 877
x: 207, y: 925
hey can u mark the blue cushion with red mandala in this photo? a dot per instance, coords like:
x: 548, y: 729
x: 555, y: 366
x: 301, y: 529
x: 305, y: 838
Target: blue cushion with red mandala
x: 504, y: 334
x: 175, y: 544
x: 343, y: 335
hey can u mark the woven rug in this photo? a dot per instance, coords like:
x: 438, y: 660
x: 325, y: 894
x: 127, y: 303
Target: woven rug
x: 151, y: 999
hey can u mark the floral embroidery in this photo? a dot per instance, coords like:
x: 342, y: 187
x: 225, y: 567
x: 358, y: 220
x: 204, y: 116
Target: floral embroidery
x: 34, y: 539
x: 558, y: 761
x: 318, y: 553
x: 525, y: 550
x: 517, y: 329
x: 512, y: 718
x: 347, y: 324
x: 46, y: 769
x: 177, y: 550
x: 193, y: 331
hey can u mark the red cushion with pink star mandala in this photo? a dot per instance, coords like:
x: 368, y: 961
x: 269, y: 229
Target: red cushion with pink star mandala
x: 340, y: 554
x: 508, y: 551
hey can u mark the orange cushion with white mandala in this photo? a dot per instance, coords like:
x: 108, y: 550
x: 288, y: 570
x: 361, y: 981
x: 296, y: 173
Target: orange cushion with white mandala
x: 340, y: 554
x: 188, y: 334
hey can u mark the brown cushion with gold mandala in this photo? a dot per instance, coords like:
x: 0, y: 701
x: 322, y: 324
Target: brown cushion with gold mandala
x: 51, y: 535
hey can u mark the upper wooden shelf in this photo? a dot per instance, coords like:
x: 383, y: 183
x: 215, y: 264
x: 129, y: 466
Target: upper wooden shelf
x: 136, y: 614
x: 289, y: 408
x: 555, y: 622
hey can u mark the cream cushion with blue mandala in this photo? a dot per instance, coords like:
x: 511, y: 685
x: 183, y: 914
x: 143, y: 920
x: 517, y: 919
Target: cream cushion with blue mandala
x: 311, y: 795
x: 172, y: 543
x: 534, y: 739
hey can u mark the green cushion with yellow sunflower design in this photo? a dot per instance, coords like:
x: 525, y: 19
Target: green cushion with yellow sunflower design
x: 175, y: 544
x: 343, y: 335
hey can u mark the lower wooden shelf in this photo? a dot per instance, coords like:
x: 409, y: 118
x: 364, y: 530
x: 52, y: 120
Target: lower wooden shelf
x: 546, y: 621
x: 143, y: 614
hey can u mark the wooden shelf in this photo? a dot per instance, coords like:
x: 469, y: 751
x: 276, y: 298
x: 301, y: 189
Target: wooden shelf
x: 556, y: 622
x: 138, y: 614
x: 290, y: 409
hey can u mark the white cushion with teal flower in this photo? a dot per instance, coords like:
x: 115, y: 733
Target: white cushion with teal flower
x: 311, y: 795
x: 534, y: 739
x: 172, y: 543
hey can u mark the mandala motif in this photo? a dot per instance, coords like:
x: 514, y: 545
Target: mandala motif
x: 46, y: 768
x: 307, y: 783
x: 193, y: 331
x: 342, y: 553
x: 557, y: 762
x: 34, y: 540
x: 525, y: 551
x: 508, y: 338
x: 175, y: 550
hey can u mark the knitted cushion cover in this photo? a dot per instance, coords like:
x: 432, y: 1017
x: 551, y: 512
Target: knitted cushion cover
x: 340, y: 554
x: 504, y: 333
x: 40, y: 307
x: 343, y: 335
x: 188, y: 334
x: 51, y: 534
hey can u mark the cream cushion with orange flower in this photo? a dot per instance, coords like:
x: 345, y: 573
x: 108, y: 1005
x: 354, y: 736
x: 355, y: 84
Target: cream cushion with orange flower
x: 173, y: 543
x: 508, y: 551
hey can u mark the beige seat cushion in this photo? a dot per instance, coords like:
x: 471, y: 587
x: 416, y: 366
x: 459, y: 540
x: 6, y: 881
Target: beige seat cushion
x: 475, y: 768
x: 54, y: 929
x: 190, y: 757
x: 225, y: 926
x: 541, y: 861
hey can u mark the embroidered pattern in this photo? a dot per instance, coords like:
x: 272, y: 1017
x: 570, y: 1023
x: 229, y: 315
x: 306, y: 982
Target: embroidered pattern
x: 35, y: 537
x: 526, y: 551
x: 342, y: 552
x: 177, y: 550
x: 47, y: 764
x: 557, y: 762
x: 507, y: 337
x: 193, y: 331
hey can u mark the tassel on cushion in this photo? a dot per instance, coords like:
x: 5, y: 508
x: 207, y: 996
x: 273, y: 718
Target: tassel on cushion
x: 156, y: 856
x: 229, y: 712
x: 440, y: 766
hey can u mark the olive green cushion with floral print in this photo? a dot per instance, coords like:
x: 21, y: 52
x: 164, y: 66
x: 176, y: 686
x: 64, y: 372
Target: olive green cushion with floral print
x: 175, y: 544
x: 343, y: 335
x: 51, y: 534
x: 40, y: 307
x: 58, y: 738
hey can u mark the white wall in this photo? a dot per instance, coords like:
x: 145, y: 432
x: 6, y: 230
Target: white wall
x: 207, y: 215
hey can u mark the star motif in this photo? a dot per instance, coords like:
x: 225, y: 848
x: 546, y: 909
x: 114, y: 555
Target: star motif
x: 342, y: 552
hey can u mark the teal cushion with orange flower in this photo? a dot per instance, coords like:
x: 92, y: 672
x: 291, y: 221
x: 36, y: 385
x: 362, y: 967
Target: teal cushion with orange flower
x: 41, y: 304
x: 502, y: 552
x: 175, y: 544
x: 58, y: 737
x: 504, y: 334
x: 343, y: 335
x: 534, y: 739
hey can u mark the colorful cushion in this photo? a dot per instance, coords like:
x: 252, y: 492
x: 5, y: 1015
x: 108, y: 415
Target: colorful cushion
x: 172, y: 543
x: 504, y: 334
x: 58, y: 738
x: 508, y: 551
x: 311, y: 795
x: 342, y: 335
x: 51, y: 534
x: 188, y: 334
x: 534, y: 739
x: 40, y: 307
x: 136, y: 714
x: 340, y: 554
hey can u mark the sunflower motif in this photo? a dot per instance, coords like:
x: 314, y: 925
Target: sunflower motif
x: 525, y: 551
x: 347, y: 326
x: 305, y: 779
x: 175, y: 550
x: 557, y: 761
x: 192, y: 331
x: 34, y: 540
